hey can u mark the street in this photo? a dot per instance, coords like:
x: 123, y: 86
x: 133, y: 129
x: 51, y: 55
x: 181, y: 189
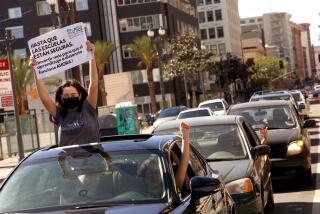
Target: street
x: 293, y: 196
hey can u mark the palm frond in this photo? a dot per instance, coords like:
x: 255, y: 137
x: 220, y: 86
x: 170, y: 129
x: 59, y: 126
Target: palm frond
x: 102, y: 53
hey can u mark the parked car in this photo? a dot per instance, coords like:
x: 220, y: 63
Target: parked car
x: 168, y: 114
x: 288, y: 137
x: 128, y: 174
x: 195, y: 112
x: 217, y: 106
x: 232, y: 147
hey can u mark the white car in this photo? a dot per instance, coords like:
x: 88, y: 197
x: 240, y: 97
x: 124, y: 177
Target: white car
x: 195, y: 112
x: 217, y: 106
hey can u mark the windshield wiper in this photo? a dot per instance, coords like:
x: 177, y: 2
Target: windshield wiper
x: 89, y: 206
x: 223, y: 159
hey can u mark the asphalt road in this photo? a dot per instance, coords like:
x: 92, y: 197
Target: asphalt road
x: 293, y: 196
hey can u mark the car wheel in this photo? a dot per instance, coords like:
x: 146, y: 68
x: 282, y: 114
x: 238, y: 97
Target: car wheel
x: 270, y: 202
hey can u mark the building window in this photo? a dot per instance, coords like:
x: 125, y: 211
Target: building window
x: 82, y: 5
x: 260, y: 19
x: 220, y: 32
x: 203, y: 34
x: 252, y: 20
x: 216, y: 1
x: 43, y: 8
x: 87, y: 28
x: 20, y: 52
x: 44, y: 30
x: 213, y: 49
x: 208, y: 2
x: 218, y: 14
x: 14, y: 13
x: 210, y: 16
x: 222, y: 48
x: 200, y: 2
x: 139, y: 23
x: 16, y: 32
x: 201, y: 17
x: 243, y: 22
x: 127, y: 53
x: 212, y: 33
x: 130, y: 2
x: 120, y: 2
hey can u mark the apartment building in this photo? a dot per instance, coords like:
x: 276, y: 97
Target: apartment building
x: 219, y: 24
x: 308, y: 54
x: 128, y: 19
x: 317, y: 60
x: 298, y: 50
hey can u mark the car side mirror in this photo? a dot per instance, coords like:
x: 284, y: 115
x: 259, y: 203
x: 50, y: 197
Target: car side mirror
x: 203, y: 186
x: 309, y: 123
x: 260, y: 150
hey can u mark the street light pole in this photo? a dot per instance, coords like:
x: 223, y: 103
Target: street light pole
x: 8, y: 42
x: 150, y: 34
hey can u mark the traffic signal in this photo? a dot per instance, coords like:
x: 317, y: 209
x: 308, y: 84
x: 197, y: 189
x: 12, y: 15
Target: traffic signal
x: 281, y: 64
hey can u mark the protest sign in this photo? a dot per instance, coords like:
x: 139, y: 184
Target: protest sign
x: 6, y: 94
x: 59, y: 50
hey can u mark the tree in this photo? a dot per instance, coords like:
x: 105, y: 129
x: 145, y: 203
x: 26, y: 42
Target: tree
x: 102, y: 53
x: 187, y: 59
x: 147, y: 54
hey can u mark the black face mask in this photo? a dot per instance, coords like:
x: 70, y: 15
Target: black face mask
x: 71, y: 103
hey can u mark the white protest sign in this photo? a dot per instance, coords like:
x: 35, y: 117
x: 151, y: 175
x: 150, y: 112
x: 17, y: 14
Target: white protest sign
x: 59, y: 50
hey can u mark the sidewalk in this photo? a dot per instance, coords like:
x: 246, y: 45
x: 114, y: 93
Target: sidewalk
x: 7, y: 165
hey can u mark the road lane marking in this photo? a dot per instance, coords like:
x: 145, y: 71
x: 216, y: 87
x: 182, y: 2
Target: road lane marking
x: 316, y: 199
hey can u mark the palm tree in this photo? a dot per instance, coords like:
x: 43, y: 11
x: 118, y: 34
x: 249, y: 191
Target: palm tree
x: 147, y: 54
x: 102, y: 53
x: 23, y: 76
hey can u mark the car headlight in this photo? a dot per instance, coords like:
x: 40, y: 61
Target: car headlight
x: 240, y: 186
x: 295, y: 147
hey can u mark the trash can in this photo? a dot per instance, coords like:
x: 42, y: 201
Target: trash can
x: 127, y: 118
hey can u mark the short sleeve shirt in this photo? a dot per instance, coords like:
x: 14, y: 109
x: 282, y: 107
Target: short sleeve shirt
x: 78, y: 127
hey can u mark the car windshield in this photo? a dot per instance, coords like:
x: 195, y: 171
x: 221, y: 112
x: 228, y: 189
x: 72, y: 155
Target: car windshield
x: 198, y: 113
x: 273, y: 117
x: 296, y: 96
x: 273, y: 97
x: 169, y: 112
x: 215, y: 142
x: 215, y: 106
x: 78, y: 178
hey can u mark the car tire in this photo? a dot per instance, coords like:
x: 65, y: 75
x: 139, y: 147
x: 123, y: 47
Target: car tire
x: 270, y: 202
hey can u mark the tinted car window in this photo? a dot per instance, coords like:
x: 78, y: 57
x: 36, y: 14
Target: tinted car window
x: 76, y: 179
x: 275, y: 97
x: 216, y: 106
x: 169, y: 112
x: 198, y: 113
x: 215, y: 142
x: 273, y: 117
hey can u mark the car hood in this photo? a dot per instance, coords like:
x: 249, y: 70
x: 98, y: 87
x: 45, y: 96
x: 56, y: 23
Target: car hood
x: 232, y: 170
x: 218, y: 113
x: 150, y: 208
x: 161, y: 120
x: 281, y: 136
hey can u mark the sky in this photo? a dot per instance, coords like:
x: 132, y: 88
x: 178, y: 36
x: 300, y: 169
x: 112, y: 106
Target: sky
x: 305, y: 11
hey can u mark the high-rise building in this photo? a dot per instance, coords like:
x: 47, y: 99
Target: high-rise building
x: 298, y: 50
x: 317, y: 60
x: 307, y: 49
x: 219, y: 24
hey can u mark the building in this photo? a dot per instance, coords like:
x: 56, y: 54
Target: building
x: 298, y: 50
x: 317, y: 60
x: 307, y: 49
x: 128, y: 19
x: 252, y: 42
x: 272, y: 51
x: 219, y: 24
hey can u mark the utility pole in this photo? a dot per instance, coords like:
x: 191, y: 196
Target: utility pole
x: 8, y: 42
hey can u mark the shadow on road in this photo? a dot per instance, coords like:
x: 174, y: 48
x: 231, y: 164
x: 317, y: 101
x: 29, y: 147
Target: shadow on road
x: 292, y: 208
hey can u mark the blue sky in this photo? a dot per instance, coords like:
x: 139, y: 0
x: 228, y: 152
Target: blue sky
x: 306, y: 11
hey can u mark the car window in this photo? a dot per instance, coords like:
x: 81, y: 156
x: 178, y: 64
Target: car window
x: 249, y: 135
x: 214, y: 106
x: 198, y: 113
x: 169, y: 112
x: 74, y: 179
x: 296, y: 97
x: 273, y: 117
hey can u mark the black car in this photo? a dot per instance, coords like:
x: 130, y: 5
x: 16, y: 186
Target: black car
x: 232, y: 147
x: 168, y: 114
x: 288, y: 137
x: 129, y: 174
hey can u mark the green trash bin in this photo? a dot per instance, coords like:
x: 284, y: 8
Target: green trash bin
x: 126, y: 116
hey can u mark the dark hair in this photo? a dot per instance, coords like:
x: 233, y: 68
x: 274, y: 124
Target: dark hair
x: 81, y: 90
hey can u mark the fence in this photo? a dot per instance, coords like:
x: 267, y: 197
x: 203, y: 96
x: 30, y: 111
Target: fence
x: 36, y: 129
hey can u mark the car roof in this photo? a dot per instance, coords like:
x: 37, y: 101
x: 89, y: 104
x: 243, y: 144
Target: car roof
x: 211, y: 101
x: 195, y: 109
x: 196, y: 121
x: 111, y: 144
x: 261, y: 103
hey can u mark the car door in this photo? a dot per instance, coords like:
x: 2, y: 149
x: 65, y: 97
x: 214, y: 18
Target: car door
x: 196, y: 167
x: 262, y: 163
